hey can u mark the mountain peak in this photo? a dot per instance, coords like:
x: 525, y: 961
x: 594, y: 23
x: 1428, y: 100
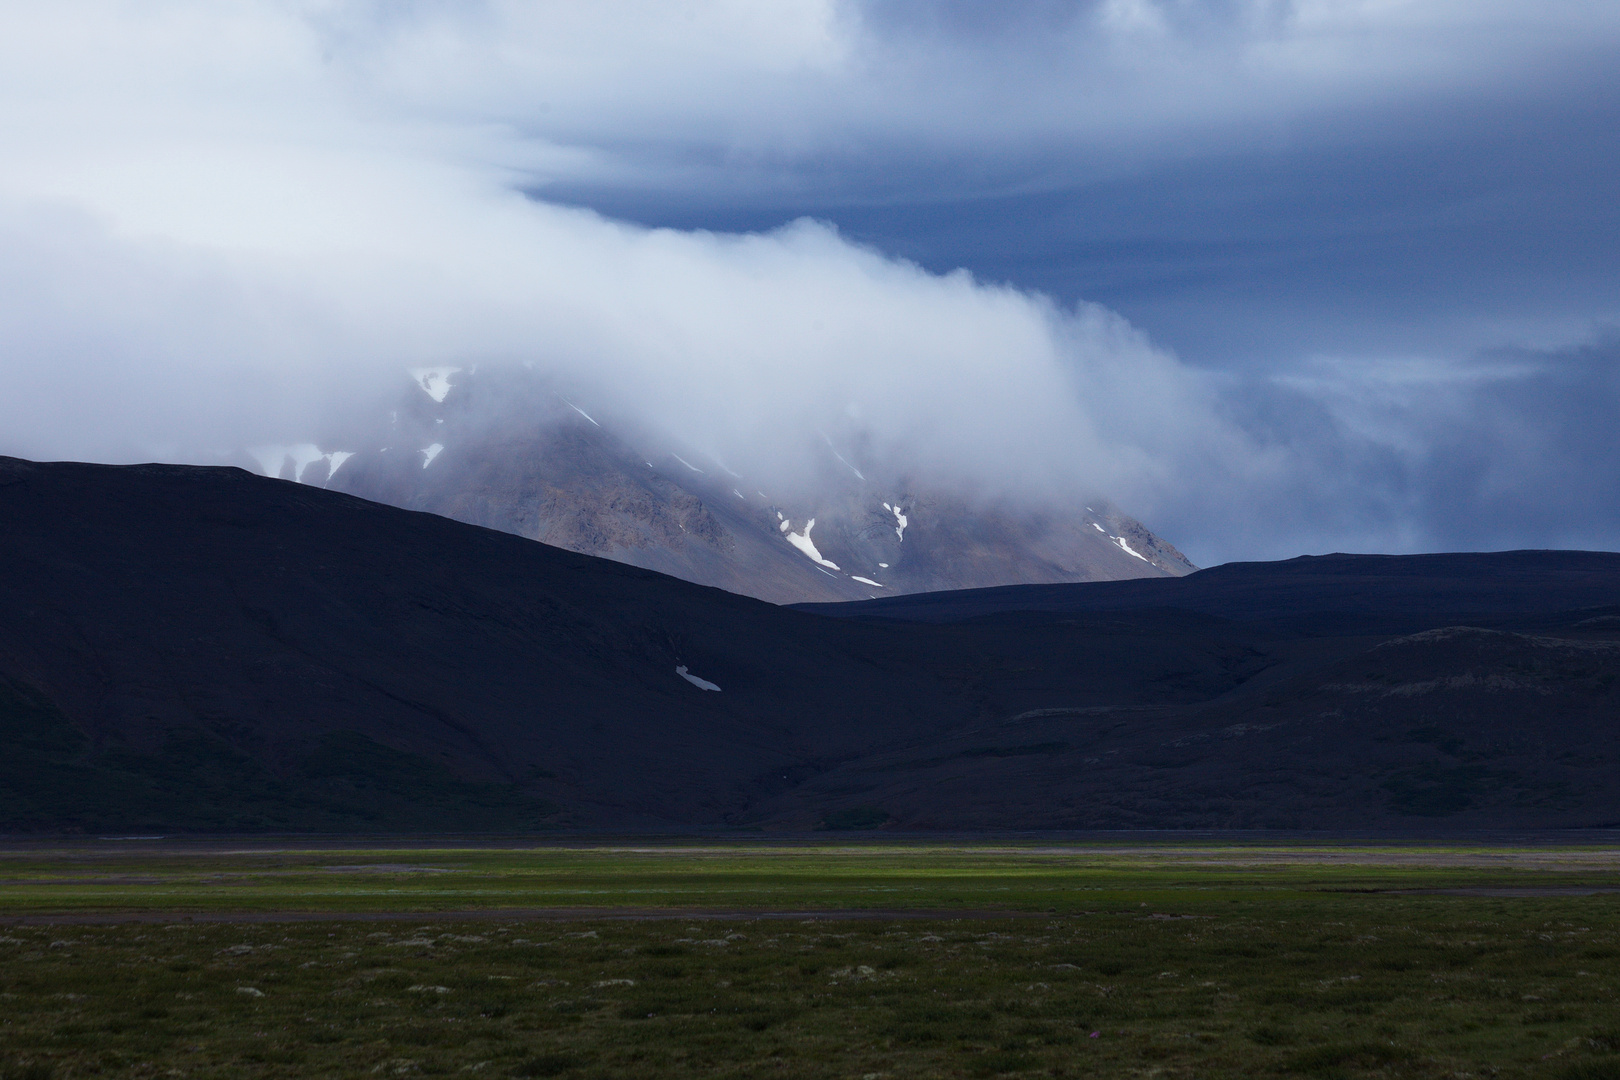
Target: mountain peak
x: 509, y: 451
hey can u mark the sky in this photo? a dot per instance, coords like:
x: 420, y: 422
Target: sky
x: 1277, y: 277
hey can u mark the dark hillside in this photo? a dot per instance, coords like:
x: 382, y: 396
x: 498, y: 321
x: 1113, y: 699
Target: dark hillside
x: 1313, y: 594
x: 203, y: 649
x: 312, y: 659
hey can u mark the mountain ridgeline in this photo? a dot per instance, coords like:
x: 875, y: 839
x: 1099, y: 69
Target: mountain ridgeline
x: 204, y: 649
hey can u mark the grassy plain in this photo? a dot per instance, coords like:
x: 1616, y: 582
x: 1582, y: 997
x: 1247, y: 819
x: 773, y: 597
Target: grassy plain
x: 863, y: 961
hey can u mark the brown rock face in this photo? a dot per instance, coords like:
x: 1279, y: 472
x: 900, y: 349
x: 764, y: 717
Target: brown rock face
x: 509, y: 452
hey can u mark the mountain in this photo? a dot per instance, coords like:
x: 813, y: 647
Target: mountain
x: 504, y: 449
x: 187, y: 648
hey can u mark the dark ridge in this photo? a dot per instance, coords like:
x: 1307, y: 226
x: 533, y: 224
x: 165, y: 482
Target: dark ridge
x: 204, y: 651
x: 1310, y: 594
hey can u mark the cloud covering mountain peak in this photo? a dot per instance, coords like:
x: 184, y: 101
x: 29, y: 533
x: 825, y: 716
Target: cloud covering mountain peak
x: 219, y: 224
x: 211, y: 262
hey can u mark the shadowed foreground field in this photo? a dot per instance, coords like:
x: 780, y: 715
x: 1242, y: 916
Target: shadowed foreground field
x: 800, y: 962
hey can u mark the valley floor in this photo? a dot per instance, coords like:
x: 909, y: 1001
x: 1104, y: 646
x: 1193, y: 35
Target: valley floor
x: 859, y: 960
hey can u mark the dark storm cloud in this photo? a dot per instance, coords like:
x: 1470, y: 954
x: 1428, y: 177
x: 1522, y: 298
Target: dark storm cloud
x: 1513, y: 449
x: 1439, y: 221
x: 1535, y: 455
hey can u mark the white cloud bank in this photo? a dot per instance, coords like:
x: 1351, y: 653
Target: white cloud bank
x: 218, y: 219
x: 208, y: 237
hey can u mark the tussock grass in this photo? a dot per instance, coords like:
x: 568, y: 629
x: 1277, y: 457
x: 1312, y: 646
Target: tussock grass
x: 1168, y: 970
x: 1482, y: 987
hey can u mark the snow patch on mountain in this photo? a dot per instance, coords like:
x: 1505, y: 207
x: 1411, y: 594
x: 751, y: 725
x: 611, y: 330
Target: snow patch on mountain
x: 581, y: 411
x: 431, y: 452
x: 688, y: 464
x: 701, y: 684
x: 434, y: 381
x: 865, y: 580
x: 273, y: 459
x: 304, y: 455
x: 1126, y: 548
x: 841, y: 457
x: 803, y: 542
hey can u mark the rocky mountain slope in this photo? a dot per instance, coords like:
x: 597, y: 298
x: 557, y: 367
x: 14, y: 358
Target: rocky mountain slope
x: 503, y: 449
x: 191, y: 648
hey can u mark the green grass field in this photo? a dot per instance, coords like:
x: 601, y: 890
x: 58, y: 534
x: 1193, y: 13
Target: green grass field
x: 861, y: 961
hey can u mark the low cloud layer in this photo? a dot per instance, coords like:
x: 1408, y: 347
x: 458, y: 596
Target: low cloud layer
x: 747, y: 347
x: 220, y: 225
